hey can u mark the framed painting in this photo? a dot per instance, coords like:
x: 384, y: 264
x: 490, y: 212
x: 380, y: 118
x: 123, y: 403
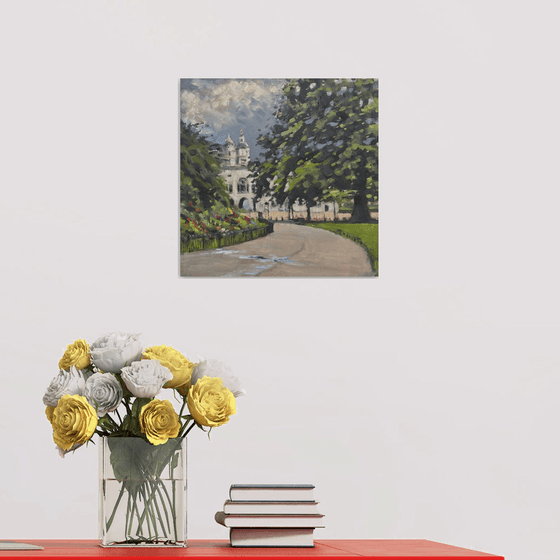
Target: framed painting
x: 279, y: 177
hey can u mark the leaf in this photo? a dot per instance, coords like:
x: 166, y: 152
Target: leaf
x: 135, y: 459
x: 138, y: 404
x: 105, y: 422
x: 131, y: 425
x: 175, y: 461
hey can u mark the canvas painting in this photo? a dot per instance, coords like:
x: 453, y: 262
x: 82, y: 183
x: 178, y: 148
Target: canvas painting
x: 279, y: 177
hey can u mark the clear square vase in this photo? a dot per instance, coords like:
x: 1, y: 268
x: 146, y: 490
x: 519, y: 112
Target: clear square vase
x: 142, y: 493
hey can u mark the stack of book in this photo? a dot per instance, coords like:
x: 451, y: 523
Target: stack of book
x: 280, y: 515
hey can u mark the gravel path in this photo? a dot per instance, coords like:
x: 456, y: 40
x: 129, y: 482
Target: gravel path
x: 291, y: 250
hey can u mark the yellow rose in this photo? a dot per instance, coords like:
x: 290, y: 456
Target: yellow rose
x: 49, y: 412
x: 76, y: 354
x: 73, y: 420
x: 178, y: 365
x: 159, y: 421
x: 210, y: 403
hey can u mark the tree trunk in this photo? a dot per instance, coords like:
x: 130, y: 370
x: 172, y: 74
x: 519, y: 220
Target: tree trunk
x: 360, y: 212
x: 308, y: 213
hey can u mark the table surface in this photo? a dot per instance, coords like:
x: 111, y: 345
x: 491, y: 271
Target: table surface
x: 323, y: 550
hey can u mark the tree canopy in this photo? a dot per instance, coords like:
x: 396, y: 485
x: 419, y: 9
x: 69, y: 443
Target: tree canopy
x: 323, y: 145
x: 202, y: 186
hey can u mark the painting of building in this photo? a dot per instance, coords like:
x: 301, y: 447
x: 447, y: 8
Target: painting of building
x: 278, y: 177
x: 235, y: 165
x: 242, y: 190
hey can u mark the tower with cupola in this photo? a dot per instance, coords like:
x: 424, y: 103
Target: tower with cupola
x: 242, y: 150
x: 230, y: 152
x: 235, y: 171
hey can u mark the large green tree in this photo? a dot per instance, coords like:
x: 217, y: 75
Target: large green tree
x: 323, y: 145
x: 202, y: 186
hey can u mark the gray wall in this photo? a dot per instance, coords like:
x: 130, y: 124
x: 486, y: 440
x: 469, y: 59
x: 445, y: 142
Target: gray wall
x: 422, y: 404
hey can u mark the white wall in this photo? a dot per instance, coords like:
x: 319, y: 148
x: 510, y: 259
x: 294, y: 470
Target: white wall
x: 422, y: 404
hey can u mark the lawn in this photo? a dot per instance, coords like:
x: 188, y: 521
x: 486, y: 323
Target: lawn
x: 367, y: 234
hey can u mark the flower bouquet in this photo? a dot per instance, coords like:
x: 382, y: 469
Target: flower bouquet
x: 108, y: 388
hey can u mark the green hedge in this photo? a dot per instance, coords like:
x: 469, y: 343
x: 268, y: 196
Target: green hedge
x: 192, y: 243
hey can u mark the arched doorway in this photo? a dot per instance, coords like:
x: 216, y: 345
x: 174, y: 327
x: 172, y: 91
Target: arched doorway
x: 245, y: 204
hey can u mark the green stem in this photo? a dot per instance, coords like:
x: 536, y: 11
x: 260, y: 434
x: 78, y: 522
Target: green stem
x: 157, y: 483
x: 148, y: 511
x: 172, y: 506
x: 148, y: 517
x: 126, y: 529
x: 158, y: 516
x: 189, y: 429
x: 181, y: 414
x: 145, y: 511
x: 183, y: 406
x: 110, y: 522
x: 140, y: 530
x: 155, y: 517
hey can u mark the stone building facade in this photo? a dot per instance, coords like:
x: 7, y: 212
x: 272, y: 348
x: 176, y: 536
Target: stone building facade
x: 235, y: 161
x: 235, y: 171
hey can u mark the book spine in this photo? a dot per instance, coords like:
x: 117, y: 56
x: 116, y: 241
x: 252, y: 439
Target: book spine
x: 268, y: 538
x: 270, y: 495
x: 270, y: 521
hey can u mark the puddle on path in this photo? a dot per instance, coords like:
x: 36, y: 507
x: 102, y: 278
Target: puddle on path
x: 261, y: 264
x: 221, y: 252
x: 273, y: 258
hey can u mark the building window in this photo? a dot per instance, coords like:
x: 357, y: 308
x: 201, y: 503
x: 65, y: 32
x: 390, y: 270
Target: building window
x: 242, y: 186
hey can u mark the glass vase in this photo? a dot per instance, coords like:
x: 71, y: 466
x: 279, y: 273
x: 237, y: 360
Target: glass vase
x: 142, y: 492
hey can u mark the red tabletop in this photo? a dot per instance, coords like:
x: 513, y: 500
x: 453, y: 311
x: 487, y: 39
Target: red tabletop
x: 324, y: 549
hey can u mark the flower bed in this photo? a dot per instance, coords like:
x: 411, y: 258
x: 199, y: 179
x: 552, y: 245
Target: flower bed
x: 196, y: 221
x: 221, y: 227
x: 191, y: 243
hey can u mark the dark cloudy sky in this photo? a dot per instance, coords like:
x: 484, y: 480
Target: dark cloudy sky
x: 226, y: 105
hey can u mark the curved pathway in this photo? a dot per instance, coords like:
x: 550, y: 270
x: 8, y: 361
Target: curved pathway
x: 291, y: 250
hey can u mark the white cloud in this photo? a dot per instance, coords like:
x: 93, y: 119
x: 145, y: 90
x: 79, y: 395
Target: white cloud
x: 220, y: 103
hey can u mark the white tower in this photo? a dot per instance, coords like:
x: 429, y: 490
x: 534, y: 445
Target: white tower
x: 230, y: 155
x: 235, y: 171
x: 242, y: 150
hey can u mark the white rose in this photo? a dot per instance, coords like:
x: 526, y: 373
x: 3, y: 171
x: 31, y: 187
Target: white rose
x: 112, y: 352
x: 145, y: 378
x: 104, y: 392
x: 71, y: 382
x: 214, y: 368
